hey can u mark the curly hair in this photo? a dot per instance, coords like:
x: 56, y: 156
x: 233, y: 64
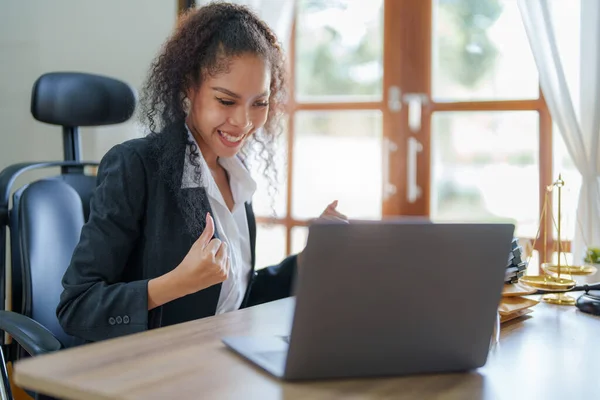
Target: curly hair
x: 203, y: 43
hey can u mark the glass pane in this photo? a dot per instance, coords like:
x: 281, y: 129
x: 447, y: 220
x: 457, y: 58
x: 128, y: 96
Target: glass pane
x: 481, y: 52
x: 563, y: 164
x: 270, y: 245
x: 299, y: 237
x: 485, y: 167
x: 339, y: 50
x: 337, y: 156
x: 269, y: 199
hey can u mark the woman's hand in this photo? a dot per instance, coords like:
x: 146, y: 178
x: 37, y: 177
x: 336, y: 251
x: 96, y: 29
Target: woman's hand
x: 330, y: 214
x: 205, y: 265
x: 207, y: 262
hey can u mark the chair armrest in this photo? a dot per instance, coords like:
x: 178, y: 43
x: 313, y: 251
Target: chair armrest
x: 31, y: 335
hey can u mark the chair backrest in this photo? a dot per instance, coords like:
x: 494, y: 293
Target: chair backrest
x: 70, y: 100
x: 84, y: 186
x: 50, y: 221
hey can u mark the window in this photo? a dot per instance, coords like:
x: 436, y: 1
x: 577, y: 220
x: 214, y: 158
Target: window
x: 412, y: 107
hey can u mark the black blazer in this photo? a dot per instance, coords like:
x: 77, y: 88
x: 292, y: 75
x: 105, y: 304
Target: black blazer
x: 141, y: 226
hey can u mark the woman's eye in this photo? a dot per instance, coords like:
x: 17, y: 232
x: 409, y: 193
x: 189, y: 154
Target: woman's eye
x: 262, y: 104
x: 225, y: 102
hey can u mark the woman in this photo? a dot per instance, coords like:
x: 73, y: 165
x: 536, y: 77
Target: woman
x: 171, y: 232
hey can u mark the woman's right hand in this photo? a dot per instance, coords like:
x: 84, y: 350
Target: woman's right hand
x: 206, y: 264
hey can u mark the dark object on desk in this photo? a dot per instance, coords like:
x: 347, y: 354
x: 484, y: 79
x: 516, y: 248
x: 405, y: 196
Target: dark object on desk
x: 516, y: 265
x: 47, y: 215
x: 589, y: 302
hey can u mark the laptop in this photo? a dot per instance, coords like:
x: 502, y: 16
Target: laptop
x: 389, y: 298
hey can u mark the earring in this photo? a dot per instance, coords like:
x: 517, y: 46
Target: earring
x: 187, y: 104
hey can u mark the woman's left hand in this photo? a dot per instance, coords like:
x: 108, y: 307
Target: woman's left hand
x: 332, y: 214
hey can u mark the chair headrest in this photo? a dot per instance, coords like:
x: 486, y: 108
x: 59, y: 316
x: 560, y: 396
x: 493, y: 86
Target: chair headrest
x: 79, y: 99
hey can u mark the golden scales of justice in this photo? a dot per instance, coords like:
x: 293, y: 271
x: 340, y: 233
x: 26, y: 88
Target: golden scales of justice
x: 553, y: 280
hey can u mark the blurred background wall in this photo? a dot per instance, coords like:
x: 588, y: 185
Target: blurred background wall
x: 111, y: 37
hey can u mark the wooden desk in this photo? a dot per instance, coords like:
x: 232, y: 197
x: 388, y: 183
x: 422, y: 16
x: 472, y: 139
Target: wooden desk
x: 554, y: 354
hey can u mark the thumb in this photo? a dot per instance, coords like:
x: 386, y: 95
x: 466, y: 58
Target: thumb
x: 209, y: 231
x: 334, y: 204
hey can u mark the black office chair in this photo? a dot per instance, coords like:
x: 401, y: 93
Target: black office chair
x: 47, y: 215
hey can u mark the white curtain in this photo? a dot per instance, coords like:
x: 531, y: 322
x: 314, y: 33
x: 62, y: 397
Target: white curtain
x: 278, y: 14
x: 578, y: 118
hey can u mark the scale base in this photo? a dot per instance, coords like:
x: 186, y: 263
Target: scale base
x: 560, y: 299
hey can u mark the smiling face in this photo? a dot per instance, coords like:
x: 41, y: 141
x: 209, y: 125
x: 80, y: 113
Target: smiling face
x: 229, y: 107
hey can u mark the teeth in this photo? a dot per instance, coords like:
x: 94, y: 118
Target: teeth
x: 231, y: 138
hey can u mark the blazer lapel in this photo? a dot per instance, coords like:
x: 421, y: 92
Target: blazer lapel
x: 193, y: 205
x: 252, y: 229
x: 169, y: 149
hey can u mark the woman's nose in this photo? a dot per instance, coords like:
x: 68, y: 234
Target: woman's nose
x: 241, y: 118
